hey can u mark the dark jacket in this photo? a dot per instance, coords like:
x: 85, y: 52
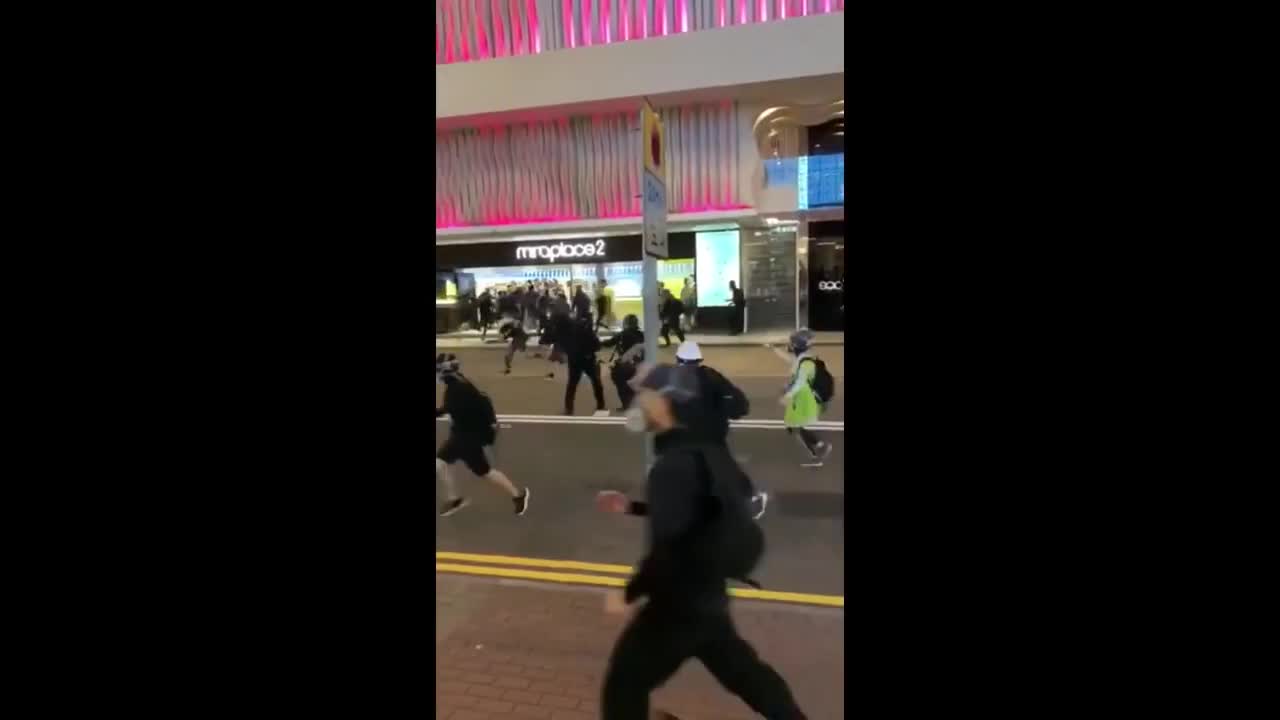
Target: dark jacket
x: 723, y: 402
x: 678, y: 573
x: 581, y: 304
x: 739, y: 299
x: 671, y: 309
x: 581, y: 342
x: 468, y: 411
x: 624, y: 340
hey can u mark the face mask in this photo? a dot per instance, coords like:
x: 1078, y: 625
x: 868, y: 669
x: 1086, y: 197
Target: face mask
x: 636, y: 421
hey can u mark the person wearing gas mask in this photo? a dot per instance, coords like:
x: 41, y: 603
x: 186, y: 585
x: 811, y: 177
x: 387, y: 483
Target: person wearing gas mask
x: 724, y: 402
x: 580, y: 348
x: 700, y: 536
x: 472, y: 428
x: 628, y: 348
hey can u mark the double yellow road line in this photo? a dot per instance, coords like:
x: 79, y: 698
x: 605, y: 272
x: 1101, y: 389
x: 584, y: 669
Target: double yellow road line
x: 575, y: 572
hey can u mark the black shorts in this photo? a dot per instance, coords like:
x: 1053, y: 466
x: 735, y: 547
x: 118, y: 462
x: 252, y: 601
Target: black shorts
x: 467, y: 451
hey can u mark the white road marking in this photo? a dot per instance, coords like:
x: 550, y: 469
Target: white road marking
x: 827, y: 425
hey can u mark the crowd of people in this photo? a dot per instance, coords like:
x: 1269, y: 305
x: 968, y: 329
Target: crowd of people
x: 699, y: 504
x: 535, y: 303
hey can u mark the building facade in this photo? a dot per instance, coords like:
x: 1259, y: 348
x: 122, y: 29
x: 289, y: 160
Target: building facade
x: 537, y: 149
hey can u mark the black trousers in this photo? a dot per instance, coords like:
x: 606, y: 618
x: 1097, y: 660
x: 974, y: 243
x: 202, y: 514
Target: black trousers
x: 669, y: 325
x: 578, y: 368
x: 656, y: 644
x: 621, y: 375
x: 737, y: 317
x: 807, y: 437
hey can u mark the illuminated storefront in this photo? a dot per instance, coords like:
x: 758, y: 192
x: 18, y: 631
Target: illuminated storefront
x: 464, y: 270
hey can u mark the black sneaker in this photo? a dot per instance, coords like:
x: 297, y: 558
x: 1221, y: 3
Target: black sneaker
x: 453, y: 506
x: 824, y: 449
x: 522, y: 502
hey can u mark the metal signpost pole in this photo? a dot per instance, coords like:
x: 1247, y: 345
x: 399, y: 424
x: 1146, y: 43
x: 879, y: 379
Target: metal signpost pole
x: 654, y: 235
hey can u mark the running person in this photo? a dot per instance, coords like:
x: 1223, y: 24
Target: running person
x: 800, y: 400
x: 473, y: 428
x: 688, y: 508
x: 517, y: 340
x: 628, y: 346
x: 724, y: 402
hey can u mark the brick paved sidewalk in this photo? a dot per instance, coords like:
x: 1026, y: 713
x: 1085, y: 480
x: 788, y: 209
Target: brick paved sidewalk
x: 507, y: 650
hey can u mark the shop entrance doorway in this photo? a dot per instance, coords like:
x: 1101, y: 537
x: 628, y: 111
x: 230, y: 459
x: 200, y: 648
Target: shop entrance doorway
x: 826, y: 275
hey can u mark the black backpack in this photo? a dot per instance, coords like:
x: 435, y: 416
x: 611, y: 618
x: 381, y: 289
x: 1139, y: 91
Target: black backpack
x: 724, y: 397
x: 824, y: 386
x: 735, y: 541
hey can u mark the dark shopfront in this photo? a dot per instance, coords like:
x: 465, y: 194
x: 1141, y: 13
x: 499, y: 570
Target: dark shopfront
x: 826, y: 275
x: 464, y: 270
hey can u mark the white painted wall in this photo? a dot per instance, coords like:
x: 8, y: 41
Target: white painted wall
x: 796, y: 48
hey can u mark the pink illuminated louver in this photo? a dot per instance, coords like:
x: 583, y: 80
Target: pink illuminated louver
x: 535, y: 26
x: 448, y: 33
x: 517, y: 34
x: 482, y: 38
x: 499, y: 39
x: 570, y: 37
x: 572, y: 169
x: 483, y: 29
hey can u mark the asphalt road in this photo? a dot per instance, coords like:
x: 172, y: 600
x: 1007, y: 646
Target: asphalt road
x: 758, y: 371
x: 566, y: 465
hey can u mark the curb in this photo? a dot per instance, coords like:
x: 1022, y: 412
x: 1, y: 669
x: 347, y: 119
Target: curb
x: 457, y: 343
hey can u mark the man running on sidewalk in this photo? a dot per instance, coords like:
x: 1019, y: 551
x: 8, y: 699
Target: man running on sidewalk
x: 800, y: 400
x: 690, y: 501
x: 473, y: 428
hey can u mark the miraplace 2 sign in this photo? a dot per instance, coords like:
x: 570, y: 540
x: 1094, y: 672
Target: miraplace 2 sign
x: 551, y: 253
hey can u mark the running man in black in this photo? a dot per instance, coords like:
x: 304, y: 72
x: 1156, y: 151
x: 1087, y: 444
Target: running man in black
x: 580, y: 348
x: 682, y: 576
x: 724, y: 402
x: 473, y: 428
x: 628, y: 348
x: 517, y: 341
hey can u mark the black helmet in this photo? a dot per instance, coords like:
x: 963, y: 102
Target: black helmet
x: 631, y: 322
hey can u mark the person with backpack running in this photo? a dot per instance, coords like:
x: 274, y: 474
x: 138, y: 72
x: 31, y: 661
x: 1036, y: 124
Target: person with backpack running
x: 628, y: 349
x: 724, y: 402
x: 473, y: 427
x: 811, y: 387
x: 700, y: 537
